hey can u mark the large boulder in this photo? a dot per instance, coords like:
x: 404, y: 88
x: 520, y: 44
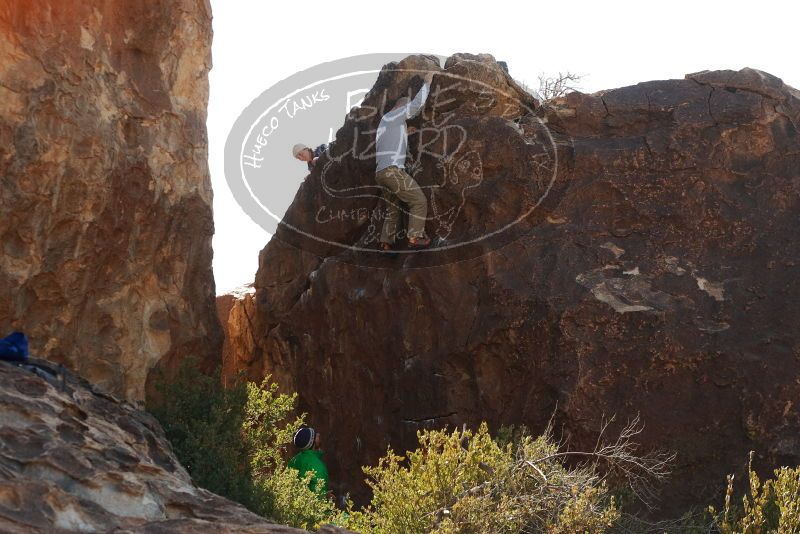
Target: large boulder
x: 654, y: 270
x: 106, y: 199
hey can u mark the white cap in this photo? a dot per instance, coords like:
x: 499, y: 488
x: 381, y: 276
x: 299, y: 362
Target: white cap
x: 296, y: 149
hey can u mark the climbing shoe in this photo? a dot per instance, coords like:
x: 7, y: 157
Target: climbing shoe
x: 419, y: 242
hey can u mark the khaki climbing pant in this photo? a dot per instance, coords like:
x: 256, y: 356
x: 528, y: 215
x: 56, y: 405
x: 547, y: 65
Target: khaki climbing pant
x: 399, y: 186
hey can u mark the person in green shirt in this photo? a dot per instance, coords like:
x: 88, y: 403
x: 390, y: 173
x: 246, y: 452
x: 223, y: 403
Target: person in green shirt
x: 310, y: 459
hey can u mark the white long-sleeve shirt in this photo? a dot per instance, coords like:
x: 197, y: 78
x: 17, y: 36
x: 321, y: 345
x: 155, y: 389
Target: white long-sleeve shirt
x: 391, y: 143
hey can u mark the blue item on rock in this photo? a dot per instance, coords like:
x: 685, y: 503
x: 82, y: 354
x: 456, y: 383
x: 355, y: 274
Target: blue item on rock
x: 14, y: 347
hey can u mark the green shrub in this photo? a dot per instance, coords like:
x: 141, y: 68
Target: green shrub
x: 771, y: 507
x: 465, y: 482
x: 291, y: 502
x: 232, y: 442
x: 203, y: 423
x: 280, y: 493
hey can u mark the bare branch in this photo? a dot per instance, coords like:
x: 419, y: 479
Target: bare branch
x: 641, y: 473
x: 551, y: 87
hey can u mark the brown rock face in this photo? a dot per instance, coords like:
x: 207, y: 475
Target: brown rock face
x: 657, y: 275
x: 236, y: 312
x: 77, y: 460
x: 106, y: 200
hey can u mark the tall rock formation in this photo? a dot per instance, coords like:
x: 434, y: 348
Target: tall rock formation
x: 656, y: 273
x: 236, y: 311
x: 106, y: 199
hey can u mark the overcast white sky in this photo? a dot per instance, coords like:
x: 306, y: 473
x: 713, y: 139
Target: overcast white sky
x: 259, y: 42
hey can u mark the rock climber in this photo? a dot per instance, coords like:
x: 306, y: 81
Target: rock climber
x: 391, y: 145
x: 309, y: 458
x: 304, y: 153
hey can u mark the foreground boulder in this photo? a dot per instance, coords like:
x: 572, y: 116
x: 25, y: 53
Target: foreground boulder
x: 657, y: 275
x: 106, y: 208
x: 75, y: 459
